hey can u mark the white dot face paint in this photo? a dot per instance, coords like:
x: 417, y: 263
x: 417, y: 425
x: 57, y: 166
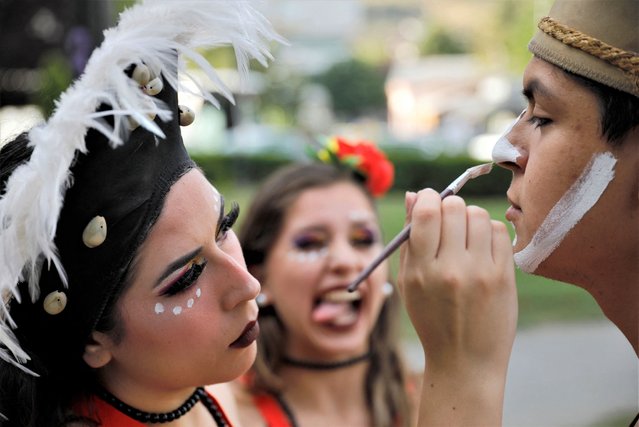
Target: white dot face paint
x: 504, y: 151
x: 159, y: 308
x: 306, y: 256
x: 179, y: 309
x: 568, y: 211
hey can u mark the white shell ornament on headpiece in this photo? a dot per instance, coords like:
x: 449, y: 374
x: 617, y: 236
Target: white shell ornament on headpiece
x: 95, y: 232
x: 55, y: 302
x: 187, y: 116
x: 154, y: 87
x: 141, y: 74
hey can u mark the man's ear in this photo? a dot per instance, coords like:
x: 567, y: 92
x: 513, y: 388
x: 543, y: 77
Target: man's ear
x: 97, y: 350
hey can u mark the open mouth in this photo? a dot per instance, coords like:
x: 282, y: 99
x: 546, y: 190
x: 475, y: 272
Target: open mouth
x: 337, y: 308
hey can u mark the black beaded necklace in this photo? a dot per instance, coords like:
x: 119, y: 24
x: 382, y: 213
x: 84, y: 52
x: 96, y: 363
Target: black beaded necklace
x: 149, y: 417
x: 325, y: 366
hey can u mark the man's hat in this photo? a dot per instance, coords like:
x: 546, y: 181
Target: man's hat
x: 73, y: 216
x: 596, y: 39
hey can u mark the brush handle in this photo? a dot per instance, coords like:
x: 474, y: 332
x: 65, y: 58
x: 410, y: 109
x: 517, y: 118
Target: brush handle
x: 391, y: 247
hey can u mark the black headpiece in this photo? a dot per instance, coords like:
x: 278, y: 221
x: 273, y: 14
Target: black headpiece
x: 73, y: 216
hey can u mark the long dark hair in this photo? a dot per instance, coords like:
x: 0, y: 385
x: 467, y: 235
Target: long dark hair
x: 385, y: 385
x: 46, y: 400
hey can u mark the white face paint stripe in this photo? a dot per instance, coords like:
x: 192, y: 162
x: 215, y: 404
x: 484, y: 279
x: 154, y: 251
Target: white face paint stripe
x: 503, y: 150
x: 568, y: 211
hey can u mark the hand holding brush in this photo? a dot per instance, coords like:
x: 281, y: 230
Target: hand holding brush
x: 403, y: 235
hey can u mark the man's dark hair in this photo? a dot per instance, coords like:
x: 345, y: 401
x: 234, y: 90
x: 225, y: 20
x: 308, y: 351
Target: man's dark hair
x: 619, y: 111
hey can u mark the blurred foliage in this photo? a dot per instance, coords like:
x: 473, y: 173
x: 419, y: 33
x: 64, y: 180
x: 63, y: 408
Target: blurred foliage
x: 412, y: 172
x: 280, y: 99
x: 516, y: 22
x: 241, y: 169
x: 356, y: 88
x: 442, y: 41
x: 56, y: 75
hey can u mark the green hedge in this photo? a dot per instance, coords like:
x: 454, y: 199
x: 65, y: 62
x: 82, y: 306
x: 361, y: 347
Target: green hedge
x: 411, y: 171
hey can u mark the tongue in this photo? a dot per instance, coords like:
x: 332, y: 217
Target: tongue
x: 335, y: 313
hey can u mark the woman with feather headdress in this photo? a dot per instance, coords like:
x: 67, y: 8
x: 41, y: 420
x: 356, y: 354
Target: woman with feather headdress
x: 124, y: 291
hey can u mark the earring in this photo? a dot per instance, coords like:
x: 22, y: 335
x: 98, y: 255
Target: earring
x: 388, y: 289
x: 262, y: 300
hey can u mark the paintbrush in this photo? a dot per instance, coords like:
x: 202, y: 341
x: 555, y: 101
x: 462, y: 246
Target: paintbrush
x: 403, y: 235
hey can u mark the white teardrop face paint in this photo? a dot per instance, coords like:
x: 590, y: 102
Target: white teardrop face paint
x: 179, y: 308
x: 503, y: 150
x: 568, y: 211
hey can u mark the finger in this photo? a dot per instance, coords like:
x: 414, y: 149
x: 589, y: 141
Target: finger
x: 502, y: 248
x: 425, y: 221
x: 409, y: 202
x: 453, y: 229
x: 479, y: 233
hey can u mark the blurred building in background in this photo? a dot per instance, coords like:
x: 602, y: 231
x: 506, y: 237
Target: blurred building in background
x: 446, y: 80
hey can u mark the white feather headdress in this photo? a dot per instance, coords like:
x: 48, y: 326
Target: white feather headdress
x: 152, y: 33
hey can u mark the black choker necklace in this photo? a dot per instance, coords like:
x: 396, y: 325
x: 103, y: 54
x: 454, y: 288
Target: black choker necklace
x: 325, y: 366
x: 149, y: 417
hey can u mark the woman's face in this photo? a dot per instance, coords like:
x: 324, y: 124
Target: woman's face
x: 328, y: 236
x: 189, y: 317
x: 572, y: 194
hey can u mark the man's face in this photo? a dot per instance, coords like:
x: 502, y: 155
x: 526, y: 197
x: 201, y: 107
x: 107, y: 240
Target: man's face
x: 574, y: 198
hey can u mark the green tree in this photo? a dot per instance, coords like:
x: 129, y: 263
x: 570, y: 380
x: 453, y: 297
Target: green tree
x: 356, y: 88
x: 441, y: 41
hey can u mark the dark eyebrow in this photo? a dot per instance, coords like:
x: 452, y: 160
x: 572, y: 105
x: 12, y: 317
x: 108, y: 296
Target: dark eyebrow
x: 536, y: 87
x: 183, y: 260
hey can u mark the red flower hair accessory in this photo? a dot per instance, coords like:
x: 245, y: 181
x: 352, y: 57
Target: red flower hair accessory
x: 364, y: 158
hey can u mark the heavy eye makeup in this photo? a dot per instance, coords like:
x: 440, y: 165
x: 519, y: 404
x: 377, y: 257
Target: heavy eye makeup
x: 361, y: 236
x: 193, y: 264
x: 187, y: 277
x: 364, y: 237
x: 226, y: 222
x: 310, y: 240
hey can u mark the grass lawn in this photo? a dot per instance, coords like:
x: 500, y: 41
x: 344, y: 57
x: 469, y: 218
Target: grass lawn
x: 540, y: 300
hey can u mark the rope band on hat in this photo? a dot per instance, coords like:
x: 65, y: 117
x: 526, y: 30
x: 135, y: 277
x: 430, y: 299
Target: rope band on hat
x: 627, y: 61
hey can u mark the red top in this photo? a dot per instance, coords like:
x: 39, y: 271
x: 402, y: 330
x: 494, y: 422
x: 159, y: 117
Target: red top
x: 108, y: 416
x: 271, y: 411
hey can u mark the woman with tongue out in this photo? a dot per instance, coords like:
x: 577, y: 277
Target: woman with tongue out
x: 325, y: 356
